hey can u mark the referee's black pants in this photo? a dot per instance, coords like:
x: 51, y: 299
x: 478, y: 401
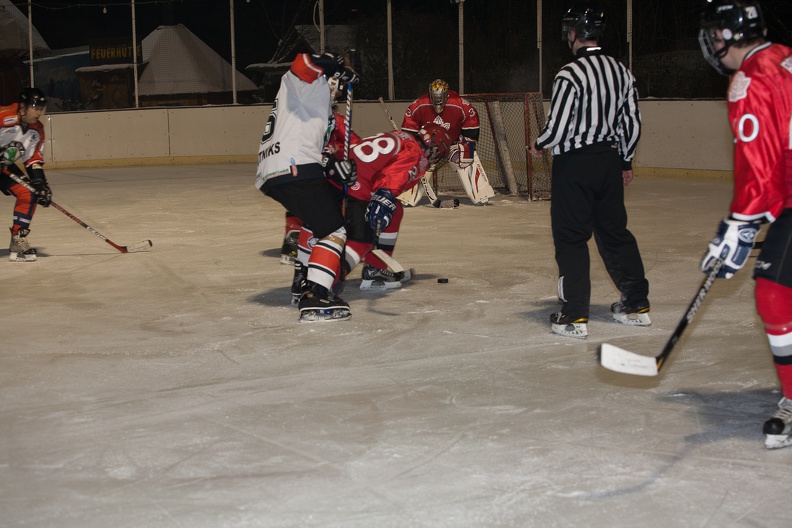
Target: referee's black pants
x: 588, y: 197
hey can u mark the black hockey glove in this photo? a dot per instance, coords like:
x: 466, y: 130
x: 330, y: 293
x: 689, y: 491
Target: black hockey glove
x: 348, y: 76
x: 335, y: 66
x: 380, y: 210
x: 42, y: 192
x: 341, y: 171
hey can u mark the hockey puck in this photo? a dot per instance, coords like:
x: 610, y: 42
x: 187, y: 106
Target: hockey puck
x: 442, y: 281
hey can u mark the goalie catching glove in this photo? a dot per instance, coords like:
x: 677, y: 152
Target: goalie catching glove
x: 732, y: 243
x: 462, y: 153
x: 380, y: 210
x: 341, y: 171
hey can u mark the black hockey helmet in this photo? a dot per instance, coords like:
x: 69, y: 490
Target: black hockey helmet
x: 586, y: 19
x: 32, y: 97
x: 738, y: 20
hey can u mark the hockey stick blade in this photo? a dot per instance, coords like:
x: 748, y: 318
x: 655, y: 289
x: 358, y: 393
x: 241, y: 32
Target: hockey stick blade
x: 144, y: 245
x: 620, y: 360
x: 389, y: 261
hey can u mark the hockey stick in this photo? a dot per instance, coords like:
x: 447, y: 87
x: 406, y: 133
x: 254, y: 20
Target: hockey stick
x: 427, y: 187
x: 144, y: 245
x: 626, y: 362
x: 389, y: 261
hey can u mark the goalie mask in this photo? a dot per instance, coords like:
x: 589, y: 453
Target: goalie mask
x: 738, y: 21
x: 588, y: 22
x: 438, y: 94
x: 436, y: 142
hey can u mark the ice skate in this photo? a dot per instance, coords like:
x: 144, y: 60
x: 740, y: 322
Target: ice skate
x: 19, y: 250
x: 778, y: 429
x: 299, y: 282
x: 564, y: 325
x: 289, y: 248
x: 631, y: 315
x: 383, y: 279
x: 317, y: 304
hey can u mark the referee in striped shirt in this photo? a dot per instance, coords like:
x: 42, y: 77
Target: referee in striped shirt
x: 593, y: 130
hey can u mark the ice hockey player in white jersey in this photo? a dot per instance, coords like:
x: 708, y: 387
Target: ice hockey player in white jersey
x: 290, y: 170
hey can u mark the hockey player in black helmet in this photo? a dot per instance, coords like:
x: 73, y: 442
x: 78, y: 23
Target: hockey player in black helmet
x: 22, y: 139
x: 732, y: 37
x: 592, y: 130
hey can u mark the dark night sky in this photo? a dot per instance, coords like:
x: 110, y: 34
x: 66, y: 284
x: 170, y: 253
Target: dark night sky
x: 499, y: 34
x: 260, y: 23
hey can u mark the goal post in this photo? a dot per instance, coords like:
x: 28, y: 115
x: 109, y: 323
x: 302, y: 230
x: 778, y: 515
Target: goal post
x: 509, y: 125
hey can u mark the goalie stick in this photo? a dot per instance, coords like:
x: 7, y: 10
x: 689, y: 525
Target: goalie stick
x: 144, y: 245
x: 427, y: 187
x: 626, y: 362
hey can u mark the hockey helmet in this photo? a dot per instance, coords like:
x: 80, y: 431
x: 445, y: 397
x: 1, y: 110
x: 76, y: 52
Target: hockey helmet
x: 33, y: 97
x: 739, y: 21
x: 437, y: 142
x: 438, y: 94
x: 587, y: 20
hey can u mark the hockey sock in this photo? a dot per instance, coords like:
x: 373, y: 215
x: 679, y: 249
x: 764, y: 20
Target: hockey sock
x: 292, y: 223
x: 774, y: 304
x: 325, y: 261
x: 304, y: 244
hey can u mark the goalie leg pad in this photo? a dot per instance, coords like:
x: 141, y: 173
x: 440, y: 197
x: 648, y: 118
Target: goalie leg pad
x: 475, y: 182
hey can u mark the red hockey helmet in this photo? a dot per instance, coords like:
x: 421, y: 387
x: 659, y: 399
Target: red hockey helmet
x: 437, y: 142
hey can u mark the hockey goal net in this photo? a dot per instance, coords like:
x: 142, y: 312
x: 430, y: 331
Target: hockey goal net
x: 510, y: 123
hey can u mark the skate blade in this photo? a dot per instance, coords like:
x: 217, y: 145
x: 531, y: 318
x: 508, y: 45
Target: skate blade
x: 287, y: 260
x: 778, y: 441
x: 576, y: 330
x: 17, y: 257
x: 636, y: 319
x: 378, y: 285
x: 320, y: 316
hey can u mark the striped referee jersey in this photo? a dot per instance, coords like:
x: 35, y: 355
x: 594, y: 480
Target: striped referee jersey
x: 594, y: 101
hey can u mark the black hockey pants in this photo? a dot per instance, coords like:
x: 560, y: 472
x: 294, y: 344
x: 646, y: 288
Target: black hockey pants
x: 588, y: 197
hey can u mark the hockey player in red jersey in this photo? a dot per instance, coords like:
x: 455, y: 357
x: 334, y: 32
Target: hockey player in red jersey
x: 387, y: 164
x: 732, y: 38
x: 446, y: 108
x: 22, y: 139
x: 291, y: 171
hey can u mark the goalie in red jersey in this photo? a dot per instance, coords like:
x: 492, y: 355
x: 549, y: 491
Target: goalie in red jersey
x: 732, y: 39
x: 446, y: 108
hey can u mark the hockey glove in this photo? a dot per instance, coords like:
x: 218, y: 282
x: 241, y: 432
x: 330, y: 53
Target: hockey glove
x: 462, y: 153
x: 348, y: 76
x: 42, y: 192
x: 380, y: 210
x: 341, y: 171
x: 733, y: 243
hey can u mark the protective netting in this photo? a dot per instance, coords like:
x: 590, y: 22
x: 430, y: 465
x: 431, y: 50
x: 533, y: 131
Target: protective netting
x: 510, y: 124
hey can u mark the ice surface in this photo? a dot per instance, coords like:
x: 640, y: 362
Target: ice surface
x: 175, y: 388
